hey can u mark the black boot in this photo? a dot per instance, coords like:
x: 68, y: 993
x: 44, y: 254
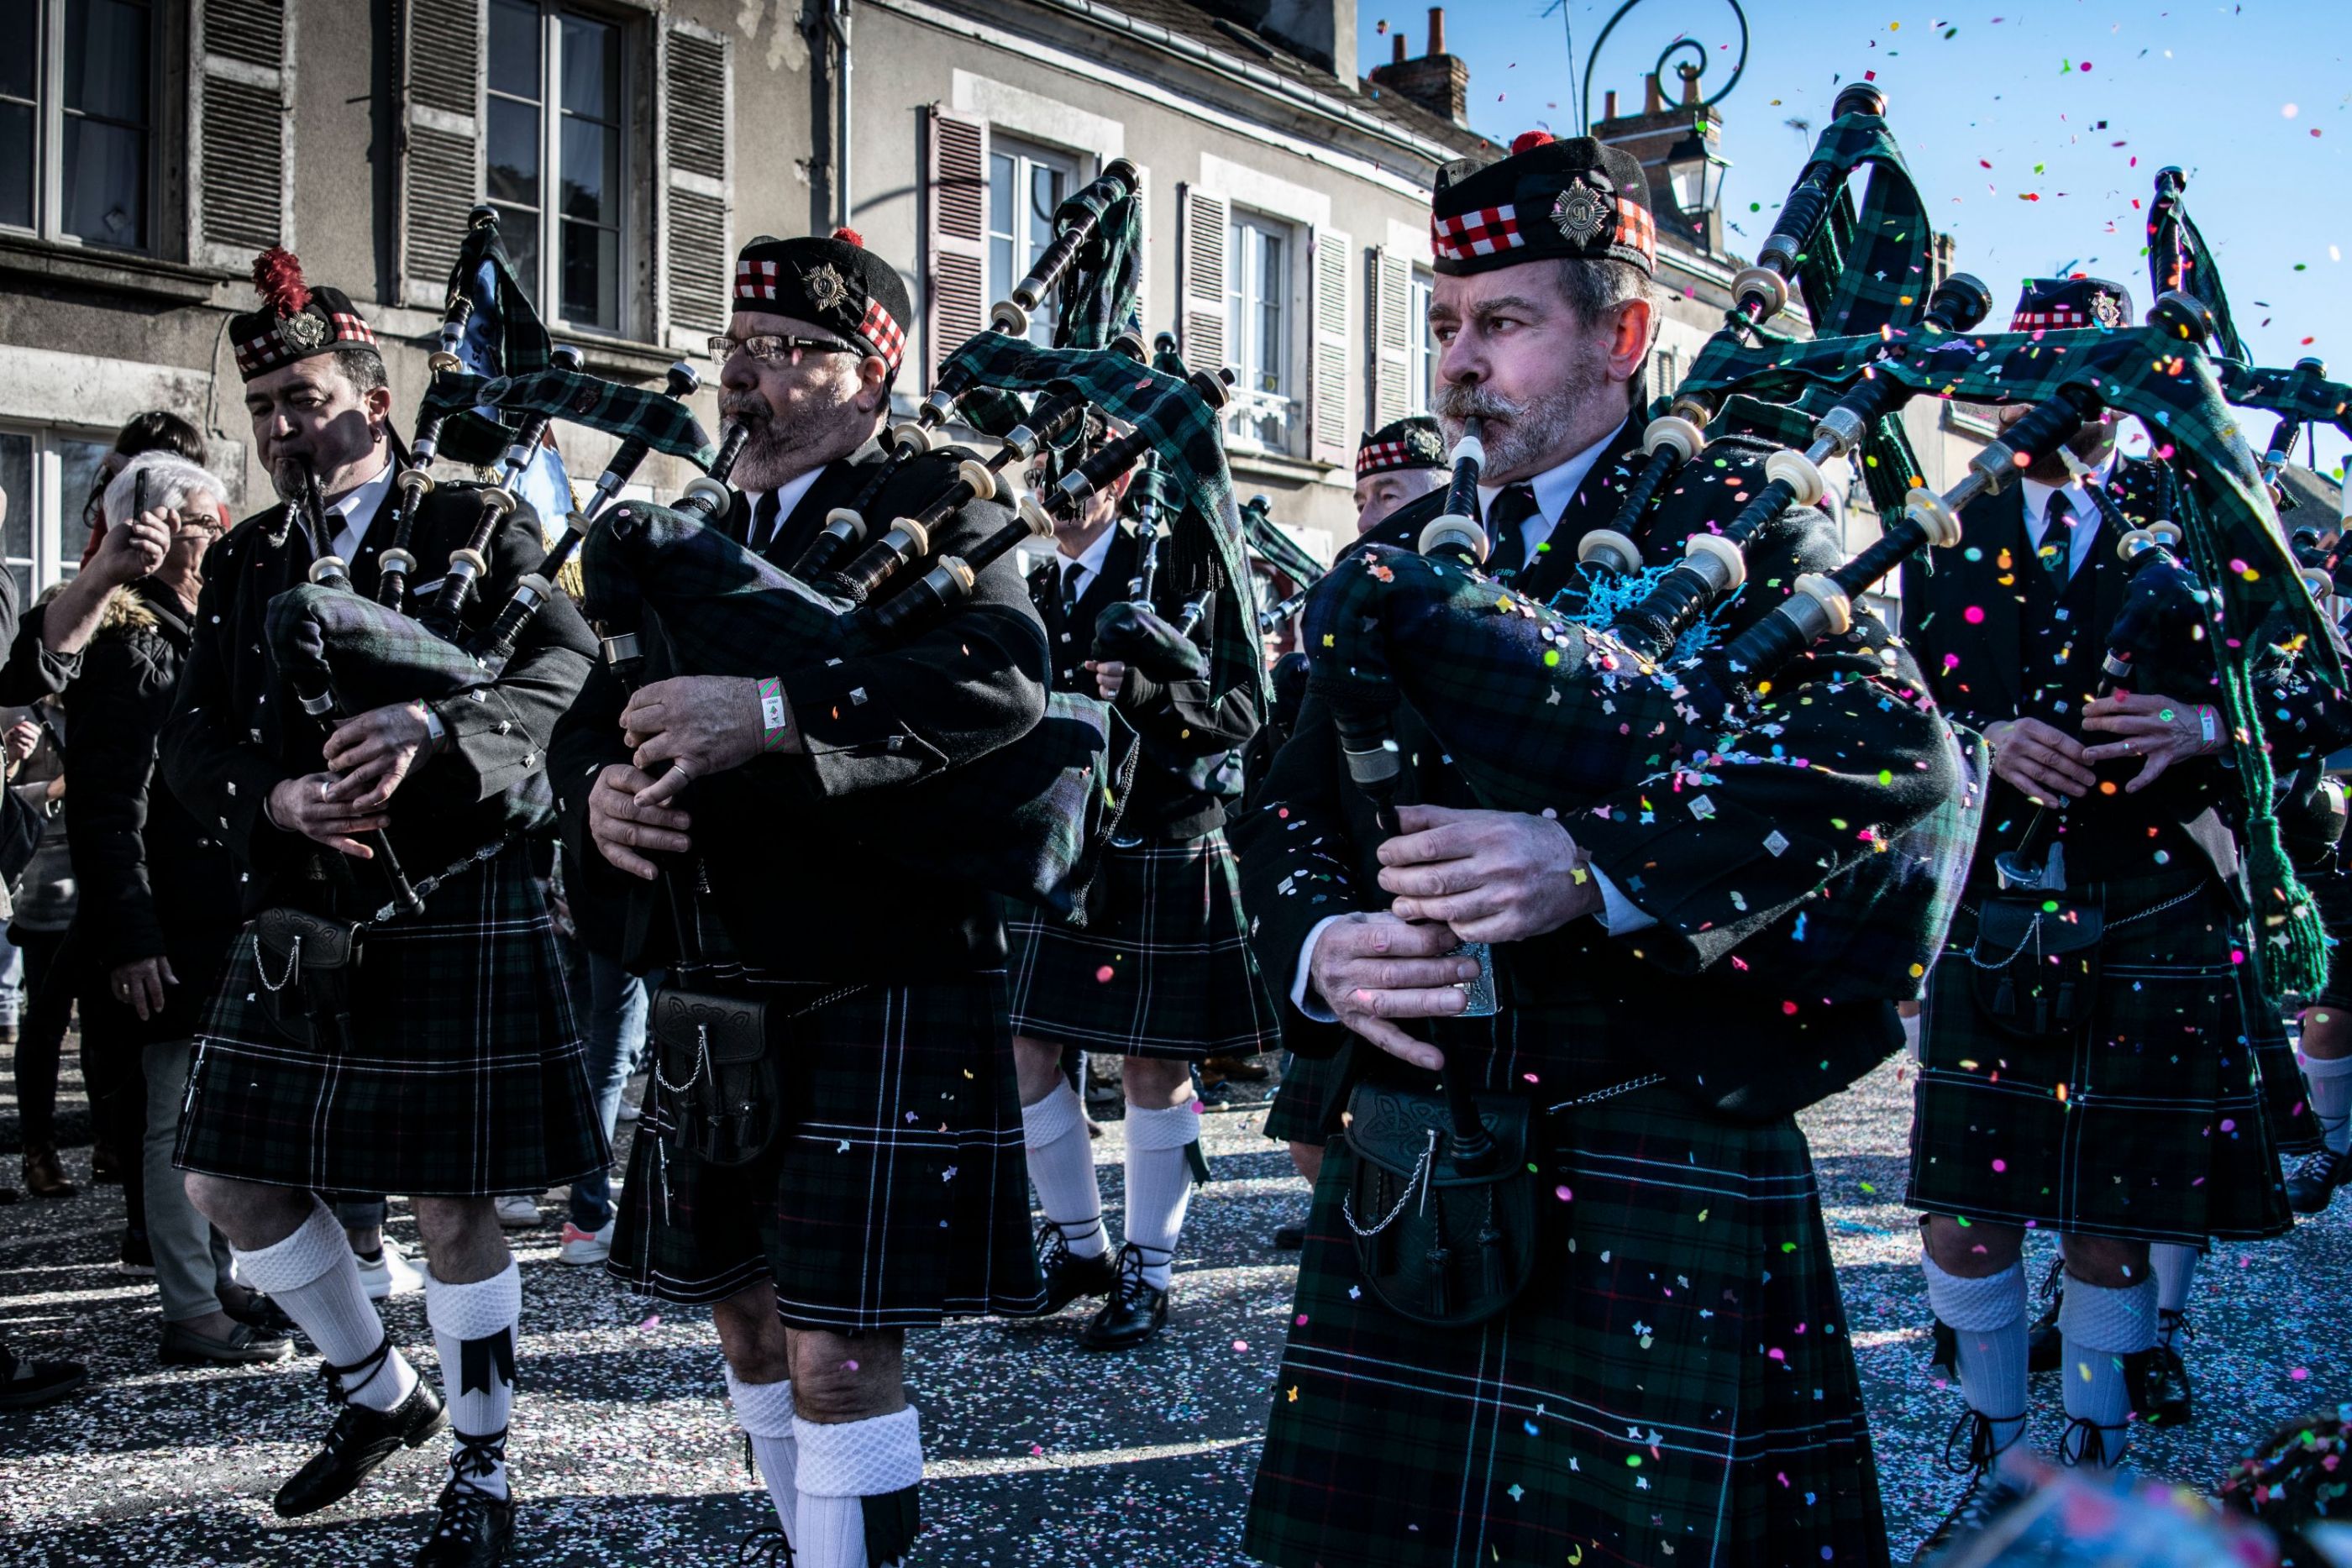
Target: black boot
x: 2045, y: 1347
x: 361, y: 1439
x: 1068, y: 1275
x: 2311, y: 1186
x: 2158, y: 1378
x: 1986, y: 1491
x: 471, y: 1528
x: 1135, y: 1312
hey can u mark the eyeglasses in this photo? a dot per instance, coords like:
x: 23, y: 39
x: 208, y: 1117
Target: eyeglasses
x: 775, y: 347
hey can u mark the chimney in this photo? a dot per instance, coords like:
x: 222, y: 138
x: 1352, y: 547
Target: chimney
x: 1397, y: 56
x: 1656, y: 135
x: 1437, y: 81
x: 1322, y: 32
x: 1609, y: 104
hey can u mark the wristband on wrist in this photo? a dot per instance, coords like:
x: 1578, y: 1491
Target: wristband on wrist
x: 775, y: 717
x: 2208, y: 723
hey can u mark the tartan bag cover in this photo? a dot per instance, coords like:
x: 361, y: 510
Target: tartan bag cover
x: 465, y: 1078
x: 896, y: 1192
x: 370, y: 656
x: 1163, y: 968
x: 1029, y: 820
x: 2153, y: 1124
x: 1673, y: 1385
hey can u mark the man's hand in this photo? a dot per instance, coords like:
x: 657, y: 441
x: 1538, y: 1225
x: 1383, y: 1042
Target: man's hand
x: 373, y: 752
x: 1369, y: 968
x: 23, y: 738
x: 139, y: 985
x: 1111, y: 677
x: 305, y: 806
x: 132, y: 549
x: 1493, y: 876
x: 2162, y: 729
x: 624, y: 822
x: 700, y: 725
x: 2045, y: 762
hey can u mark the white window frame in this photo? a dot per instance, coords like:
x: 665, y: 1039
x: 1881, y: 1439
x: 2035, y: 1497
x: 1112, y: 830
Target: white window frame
x: 1027, y: 157
x: 1420, y: 353
x: 56, y: 515
x: 1245, y: 232
x: 49, y: 133
x: 549, y: 283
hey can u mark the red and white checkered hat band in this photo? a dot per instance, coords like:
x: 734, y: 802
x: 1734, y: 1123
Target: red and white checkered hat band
x: 880, y: 329
x: 755, y: 279
x: 2058, y: 317
x: 351, y: 328
x: 1379, y: 456
x: 1637, y: 228
x: 269, y: 351
x: 1481, y: 233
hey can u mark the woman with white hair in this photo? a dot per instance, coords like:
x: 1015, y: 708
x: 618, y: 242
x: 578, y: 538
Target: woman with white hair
x: 158, y: 894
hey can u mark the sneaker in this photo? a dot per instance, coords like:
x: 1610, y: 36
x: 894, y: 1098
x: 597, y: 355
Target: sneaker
x: 2311, y: 1186
x: 390, y: 1273
x: 518, y: 1211
x: 137, y: 1259
x: 583, y: 1248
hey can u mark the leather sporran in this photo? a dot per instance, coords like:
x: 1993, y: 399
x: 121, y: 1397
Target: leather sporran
x: 306, y: 962
x: 2034, y: 970
x: 721, y: 1097
x: 1437, y: 1245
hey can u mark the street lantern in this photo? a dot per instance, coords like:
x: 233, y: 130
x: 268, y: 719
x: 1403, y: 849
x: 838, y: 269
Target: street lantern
x: 1694, y: 178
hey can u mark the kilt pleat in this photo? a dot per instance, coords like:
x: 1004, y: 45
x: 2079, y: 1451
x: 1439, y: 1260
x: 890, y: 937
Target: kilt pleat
x: 1675, y: 1385
x: 1163, y: 966
x: 2159, y: 1123
x: 896, y: 1194
x: 466, y: 1078
x: 1302, y: 1102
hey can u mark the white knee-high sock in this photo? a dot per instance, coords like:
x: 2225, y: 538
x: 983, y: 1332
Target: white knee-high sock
x: 2175, y: 1268
x: 314, y: 1277
x: 764, y: 1411
x: 1062, y: 1169
x: 1988, y: 1318
x: 842, y: 1464
x: 2100, y: 1326
x: 474, y: 1329
x: 2328, y: 1083
x: 1158, y: 1184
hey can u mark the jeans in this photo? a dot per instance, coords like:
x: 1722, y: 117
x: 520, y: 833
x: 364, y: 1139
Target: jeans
x: 41, y: 1037
x: 191, y: 1259
x: 614, y: 1011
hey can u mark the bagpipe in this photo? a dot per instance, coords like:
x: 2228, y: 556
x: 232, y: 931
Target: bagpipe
x: 1285, y: 555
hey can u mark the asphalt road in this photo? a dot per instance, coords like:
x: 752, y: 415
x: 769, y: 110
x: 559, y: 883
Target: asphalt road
x: 1040, y: 1454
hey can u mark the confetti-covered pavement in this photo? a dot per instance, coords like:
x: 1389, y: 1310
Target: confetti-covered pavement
x: 1040, y: 1454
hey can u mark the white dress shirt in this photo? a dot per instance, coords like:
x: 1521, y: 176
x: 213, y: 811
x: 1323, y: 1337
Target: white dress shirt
x: 1555, y: 489
x: 1079, y: 571
x: 789, y: 495
x: 355, y: 513
x: 2087, y: 514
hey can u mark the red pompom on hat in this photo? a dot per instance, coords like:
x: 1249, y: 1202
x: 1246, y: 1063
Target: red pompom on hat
x: 850, y: 236
x: 1528, y: 139
x: 278, y: 274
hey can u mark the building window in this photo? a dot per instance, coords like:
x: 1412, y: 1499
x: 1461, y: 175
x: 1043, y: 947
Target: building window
x: 1257, y: 329
x: 1421, y: 379
x: 557, y: 156
x: 47, y: 476
x: 1025, y: 185
x: 1665, y: 376
x: 76, y: 121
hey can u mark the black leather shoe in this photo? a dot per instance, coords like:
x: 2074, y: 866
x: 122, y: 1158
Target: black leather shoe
x: 245, y: 1346
x: 1133, y: 1314
x: 766, y: 1547
x: 2158, y: 1380
x: 1983, y: 1495
x: 473, y: 1529
x: 1944, y: 1352
x: 27, y: 1384
x: 255, y: 1310
x: 2045, y: 1347
x: 1289, y: 1237
x: 2311, y: 1186
x: 1068, y: 1275
x: 361, y: 1439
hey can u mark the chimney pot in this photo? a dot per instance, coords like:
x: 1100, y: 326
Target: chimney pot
x: 1690, y: 85
x: 1653, y: 98
x: 1609, y: 104
x: 1437, y: 29
x: 1398, y: 40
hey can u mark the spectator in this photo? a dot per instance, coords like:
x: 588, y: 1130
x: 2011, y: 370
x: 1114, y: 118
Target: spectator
x: 26, y: 1384
x: 42, y: 900
x: 159, y: 899
x: 610, y: 1005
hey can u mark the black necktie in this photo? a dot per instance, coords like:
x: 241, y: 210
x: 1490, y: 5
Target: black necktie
x: 1506, y: 538
x: 2058, y: 539
x: 1071, y: 572
x: 763, y: 522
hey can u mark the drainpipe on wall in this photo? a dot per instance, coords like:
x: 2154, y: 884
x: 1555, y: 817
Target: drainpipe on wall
x: 837, y: 18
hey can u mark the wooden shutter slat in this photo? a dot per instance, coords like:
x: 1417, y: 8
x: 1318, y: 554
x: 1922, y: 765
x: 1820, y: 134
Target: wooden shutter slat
x: 955, y: 212
x: 238, y: 132
x: 441, y: 146
x: 697, y: 89
x: 1390, y: 361
x: 1327, y: 392
x: 1201, y: 327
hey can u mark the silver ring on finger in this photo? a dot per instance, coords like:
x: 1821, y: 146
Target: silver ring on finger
x: 679, y: 768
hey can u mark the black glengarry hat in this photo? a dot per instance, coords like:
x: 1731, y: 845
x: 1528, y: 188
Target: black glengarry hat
x: 834, y: 281
x: 296, y: 320
x: 2062, y: 304
x: 1409, y: 443
x: 1550, y: 198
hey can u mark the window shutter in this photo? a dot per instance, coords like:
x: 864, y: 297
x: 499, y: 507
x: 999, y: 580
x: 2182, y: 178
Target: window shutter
x: 696, y: 104
x: 1391, y: 361
x: 955, y: 231
x: 1328, y: 408
x: 1200, y: 266
x: 441, y: 144
x: 241, y: 121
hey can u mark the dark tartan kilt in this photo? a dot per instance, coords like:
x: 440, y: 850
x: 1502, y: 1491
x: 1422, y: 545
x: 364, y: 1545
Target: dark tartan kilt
x: 1163, y: 966
x: 1303, y: 1111
x: 896, y: 1193
x: 467, y: 1079
x: 1674, y: 1387
x: 2157, y: 1125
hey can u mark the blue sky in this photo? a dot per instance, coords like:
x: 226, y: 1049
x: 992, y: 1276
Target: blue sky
x: 2059, y: 97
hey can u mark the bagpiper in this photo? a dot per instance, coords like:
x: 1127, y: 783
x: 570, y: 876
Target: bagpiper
x: 350, y: 1048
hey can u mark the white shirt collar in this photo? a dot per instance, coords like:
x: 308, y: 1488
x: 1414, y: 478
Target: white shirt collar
x: 1088, y: 563
x: 1555, y: 489
x: 789, y: 495
x: 2085, y: 508
x: 355, y: 513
